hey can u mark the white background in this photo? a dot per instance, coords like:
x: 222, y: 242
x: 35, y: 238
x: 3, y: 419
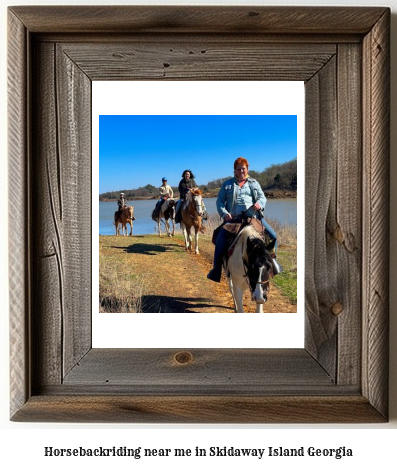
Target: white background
x: 226, y: 330
x: 22, y: 445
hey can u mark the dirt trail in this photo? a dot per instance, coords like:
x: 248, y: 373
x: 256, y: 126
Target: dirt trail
x: 175, y: 281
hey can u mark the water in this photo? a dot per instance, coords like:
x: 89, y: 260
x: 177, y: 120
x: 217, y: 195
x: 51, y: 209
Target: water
x: 282, y: 210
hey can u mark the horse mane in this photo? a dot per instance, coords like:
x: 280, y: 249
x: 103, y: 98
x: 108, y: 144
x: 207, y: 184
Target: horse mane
x: 195, y: 192
x: 253, y: 239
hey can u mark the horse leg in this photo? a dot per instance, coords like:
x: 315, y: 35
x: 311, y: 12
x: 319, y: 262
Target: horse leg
x: 173, y: 227
x: 159, y: 226
x: 232, y: 292
x: 196, y: 236
x: 131, y: 228
x: 184, y: 234
x: 259, y: 307
x: 189, y: 236
x: 167, y: 227
x: 237, y: 294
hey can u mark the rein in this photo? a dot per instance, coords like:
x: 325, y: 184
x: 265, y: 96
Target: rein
x: 252, y: 279
x: 195, y: 206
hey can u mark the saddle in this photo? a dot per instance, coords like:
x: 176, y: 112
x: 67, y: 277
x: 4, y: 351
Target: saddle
x: 236, y: 225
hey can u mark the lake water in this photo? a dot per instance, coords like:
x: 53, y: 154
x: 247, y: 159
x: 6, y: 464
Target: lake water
x: 282, y: 210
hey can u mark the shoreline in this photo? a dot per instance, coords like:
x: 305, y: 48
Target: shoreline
x: 270, y: 194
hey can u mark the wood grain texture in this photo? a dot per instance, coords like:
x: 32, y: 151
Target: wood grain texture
x: 229, y: 369
x: 376, y: 91
x: 73, y: 90
x: 341, y: 376
x: 321, y: 277
x: 19, y: 202
x: 193, y: 19
x: 199, y: 409
x: 47, y: 284
x: 346, y: 228
x: 62, y: 259
x: 140, y: 59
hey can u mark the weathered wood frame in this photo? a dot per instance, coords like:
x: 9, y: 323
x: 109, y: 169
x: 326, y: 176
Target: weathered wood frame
x: 342, y: 54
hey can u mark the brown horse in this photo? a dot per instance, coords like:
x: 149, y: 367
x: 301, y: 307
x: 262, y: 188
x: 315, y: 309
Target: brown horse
x: 124, y: 217
x: 192, y: 212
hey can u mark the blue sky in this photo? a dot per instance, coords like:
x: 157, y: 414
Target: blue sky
x: 137, y: 150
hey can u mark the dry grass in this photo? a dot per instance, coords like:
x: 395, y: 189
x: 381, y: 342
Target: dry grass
x: 122, y: 287
x: 118, y: 291
x: 286, y: 233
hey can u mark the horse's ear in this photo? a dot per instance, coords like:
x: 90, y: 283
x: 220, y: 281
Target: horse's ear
x: 270, y: 246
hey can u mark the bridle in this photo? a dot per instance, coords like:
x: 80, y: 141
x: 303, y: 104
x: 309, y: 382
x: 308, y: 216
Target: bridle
x: 197, y: 205
x: 248, y: 278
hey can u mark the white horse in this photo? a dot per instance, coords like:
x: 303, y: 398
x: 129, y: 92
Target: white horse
x: 167, y: 211
x: 192, y: 212
x: 250, y: 266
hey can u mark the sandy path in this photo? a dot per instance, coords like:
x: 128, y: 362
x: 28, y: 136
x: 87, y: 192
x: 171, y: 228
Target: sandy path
x: 175, y: 281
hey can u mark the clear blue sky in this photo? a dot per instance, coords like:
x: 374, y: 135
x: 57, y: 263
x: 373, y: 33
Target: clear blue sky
x: 137, y: 150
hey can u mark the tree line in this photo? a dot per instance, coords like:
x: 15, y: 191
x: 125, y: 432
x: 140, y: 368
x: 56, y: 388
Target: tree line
x: 276, y: 177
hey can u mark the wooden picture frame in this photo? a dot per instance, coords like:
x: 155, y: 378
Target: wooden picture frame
x: 342, y: 54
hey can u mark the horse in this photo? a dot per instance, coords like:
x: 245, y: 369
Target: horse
x: 250, y: 265
x: 124, y: 216
x: 167, y: 211
x: 192, y: 212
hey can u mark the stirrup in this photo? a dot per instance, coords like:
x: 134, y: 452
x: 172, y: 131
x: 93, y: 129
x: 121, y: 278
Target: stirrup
x: 277, y: 268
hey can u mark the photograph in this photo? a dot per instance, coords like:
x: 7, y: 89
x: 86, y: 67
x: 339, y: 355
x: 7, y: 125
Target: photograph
x: 198, y: 213
x: 172, y: 212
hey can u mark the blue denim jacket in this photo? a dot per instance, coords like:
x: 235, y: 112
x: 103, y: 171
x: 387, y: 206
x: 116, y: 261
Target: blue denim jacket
x: 226, y: 200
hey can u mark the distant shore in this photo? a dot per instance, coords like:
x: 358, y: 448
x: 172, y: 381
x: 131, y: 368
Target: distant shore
x: 270, y: 194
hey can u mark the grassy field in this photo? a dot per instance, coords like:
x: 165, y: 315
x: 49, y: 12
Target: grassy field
x: 127, y: 281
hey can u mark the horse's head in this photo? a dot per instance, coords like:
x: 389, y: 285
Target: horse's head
x: 259, y: 265
x: 196, y: 198
x: 130, y: 212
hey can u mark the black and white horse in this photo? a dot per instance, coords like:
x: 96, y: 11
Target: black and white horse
x: 167, y: 212
x: 250, y: 266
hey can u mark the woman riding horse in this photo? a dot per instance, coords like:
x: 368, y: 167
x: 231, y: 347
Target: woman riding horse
x: 238, y: 195
x: 185, y: 185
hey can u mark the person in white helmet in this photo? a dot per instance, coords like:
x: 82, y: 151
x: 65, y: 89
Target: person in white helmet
x: 121, y: 201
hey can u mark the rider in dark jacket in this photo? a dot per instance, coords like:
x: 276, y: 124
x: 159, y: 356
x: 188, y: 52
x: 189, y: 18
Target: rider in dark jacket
x: 185, y: 185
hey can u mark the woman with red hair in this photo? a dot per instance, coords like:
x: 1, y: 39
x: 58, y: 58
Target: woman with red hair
x: 238, y: 195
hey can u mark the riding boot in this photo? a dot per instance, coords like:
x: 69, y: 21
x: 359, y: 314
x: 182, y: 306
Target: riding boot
x: 220, y: 249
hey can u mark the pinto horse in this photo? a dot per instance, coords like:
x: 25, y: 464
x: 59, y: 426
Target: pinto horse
x: 167, y: 211
x: 250, y: 266
x: 124, y: 216
x: 192, y: 212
